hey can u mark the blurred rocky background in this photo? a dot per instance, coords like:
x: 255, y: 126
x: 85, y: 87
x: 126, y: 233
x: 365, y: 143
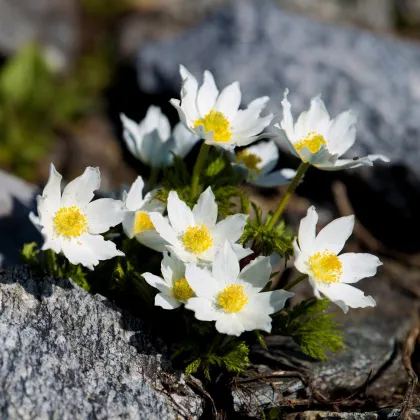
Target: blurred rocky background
x: 68, y: 68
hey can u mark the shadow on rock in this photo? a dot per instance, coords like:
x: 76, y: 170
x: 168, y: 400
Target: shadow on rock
x: 37, y: 286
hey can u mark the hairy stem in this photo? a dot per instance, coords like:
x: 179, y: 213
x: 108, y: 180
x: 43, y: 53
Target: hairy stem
x: 154, y: 175
x: 279, y: 211
x: 198, y: 168
x: 295, y: 282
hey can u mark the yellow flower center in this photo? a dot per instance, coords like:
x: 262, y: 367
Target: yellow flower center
x: 197, y: 239
x: 215, y: 121
x: 70, y: 222
x: 232, y: 298
x: 142, y: 222
x: 326, y: 267
x: 313, y: 141
x: 182, y: 290
x: 250, y: 160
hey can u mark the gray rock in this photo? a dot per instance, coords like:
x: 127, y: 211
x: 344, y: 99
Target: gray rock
x: 374, y: 14
x: 70, y: 355
x: 52, y: 23
x: 267, y: 50
x: 17, y: 199
x: 373, y: 341
x: 383, y: 414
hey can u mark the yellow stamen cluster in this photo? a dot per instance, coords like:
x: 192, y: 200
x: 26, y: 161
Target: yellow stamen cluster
x: 313, y: 141
x: 197, y: 239
x: 70, y: 222
x: 250, y: 160
x: 215, y: 121
x: 142, y: 222
x: 182, y: 290
x: 326, y: 267
x: 232, y: 298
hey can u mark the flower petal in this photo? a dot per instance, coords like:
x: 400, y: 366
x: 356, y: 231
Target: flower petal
x: 104, y: 213
x: 229, y: 324
x: 166, y: 302
x: 335, y: 234
x: 180, y: 215
x: 184, y: 140
x: 152, y: 240
x: 172, y: 268
x: 164, y: 229
x: 207, y: 94
x: 157, y: 282
x: 203, y: 308
x: 79, y: 192
x: 241, y: 252
x: 307, y: 230
x: 134, y: 199
x: 201, y: 281
x: 225, y: 265
x: 340, y: 164
x: 205, y: 211
x: 274, y: 179
x: 256, y: 273
x: 358, y: 266
x: 131, y: 135
x: 342, y: 132
x: 271, y: 302
x: 345, y: 296
x: 268, y: 152
x: 230, y: 228
x: 88, y: 250
x: 300, y: 259
x: 287, y: 122
x: 229, y: 100
x: 52, y: 189
x: 189, y: 94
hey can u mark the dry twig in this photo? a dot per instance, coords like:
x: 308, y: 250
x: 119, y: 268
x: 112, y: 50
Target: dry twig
x: 409, y: 346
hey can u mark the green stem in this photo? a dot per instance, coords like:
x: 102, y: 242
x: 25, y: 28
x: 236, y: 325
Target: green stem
x: 198, y: 167
x: 295, y: 282
x: 279, y: 211
x: 154, y: 175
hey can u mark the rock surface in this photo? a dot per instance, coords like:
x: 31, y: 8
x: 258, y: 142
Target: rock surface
x: 70, y: 355
x: 17, y: 199
x: 267, y: 50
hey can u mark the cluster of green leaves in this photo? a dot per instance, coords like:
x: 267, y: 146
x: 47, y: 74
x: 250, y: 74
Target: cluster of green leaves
x: 267, y: 241
x: 311, y: 327
x: 231, y: 357
x: 218, y: 173
x: 35, y: 102
x: 49, y: 263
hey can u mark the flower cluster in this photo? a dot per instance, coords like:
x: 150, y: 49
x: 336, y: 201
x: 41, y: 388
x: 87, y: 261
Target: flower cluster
x: 208, y: 268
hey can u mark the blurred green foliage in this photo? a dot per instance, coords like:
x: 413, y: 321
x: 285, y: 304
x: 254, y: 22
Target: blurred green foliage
x: 35, y: 102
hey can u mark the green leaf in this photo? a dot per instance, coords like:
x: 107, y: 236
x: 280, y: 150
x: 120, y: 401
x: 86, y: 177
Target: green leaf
x: 29, y: 254
x: 215, y: 167
x: 312, y: 329
x: 192, y: 367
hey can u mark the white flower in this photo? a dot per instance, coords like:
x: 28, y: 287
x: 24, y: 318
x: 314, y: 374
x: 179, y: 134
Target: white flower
x: 136, y: 222
x: 151, y: 140
x: 72, y: 224
x: 329, y: 273
x: 173, y: 287
x: 232, y: 298
x: 259, y: 161
x: 320, y: 141
x: 194, y: 235
x: 216, y: 117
